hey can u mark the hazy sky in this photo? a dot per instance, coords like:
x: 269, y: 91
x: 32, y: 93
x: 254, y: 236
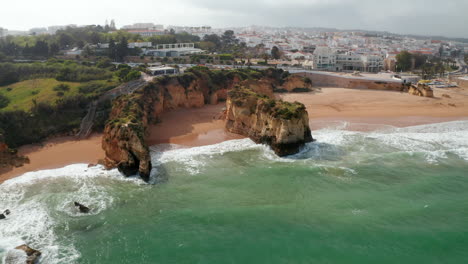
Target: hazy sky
x: 425, y: 17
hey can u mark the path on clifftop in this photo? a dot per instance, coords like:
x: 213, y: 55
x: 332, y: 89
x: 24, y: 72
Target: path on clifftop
x: 87, y: 123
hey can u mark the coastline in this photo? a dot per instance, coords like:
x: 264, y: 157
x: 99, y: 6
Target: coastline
x: 350, y: 109
x: 56, y: 153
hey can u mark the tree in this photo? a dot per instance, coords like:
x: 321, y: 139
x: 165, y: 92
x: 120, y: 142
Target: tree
x: 53, y: 49
x: 404, y: 61
x: 122, y: 49
x: 88, y: 51
x: 64, y: 40
x: 419, y: 60
x: 112, y: 50
x: 104, y: 63
x: 4, y: 101
x: 228, y: 38
x: 40, y: 49
x: 275, y: 53
x: 213, y: 38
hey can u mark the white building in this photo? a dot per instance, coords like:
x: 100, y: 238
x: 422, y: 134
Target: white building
x: 73, y: 52
x: 328, y: 59
x: 133, y: 45
x: 173, y: 50
x: 163, y: 70
x: 143, y: 26
x: 324, y: 58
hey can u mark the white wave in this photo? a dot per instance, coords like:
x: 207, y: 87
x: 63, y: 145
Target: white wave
x: 36, y: 197
x: 192, y: 159
x: 335, y: 152
x: 434, y: 141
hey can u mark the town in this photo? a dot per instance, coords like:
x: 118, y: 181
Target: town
x: 352, y: 52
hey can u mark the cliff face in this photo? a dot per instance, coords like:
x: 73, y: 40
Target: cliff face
x: 283, y: 126
x: 296, y: 83
x: 124, y: 134
x: 9, y: 157
x: 421, y: 90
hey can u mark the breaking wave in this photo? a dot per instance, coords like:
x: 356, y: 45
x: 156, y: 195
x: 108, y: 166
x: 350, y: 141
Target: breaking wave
x: 42, y: 202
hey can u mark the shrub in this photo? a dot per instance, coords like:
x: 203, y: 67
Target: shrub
x: 35, y: 92
x: 43, y: 120
x: 301, y: 90
x: 94, y: 87
x: 104, y: 63
x: 4, y: 101
x: 282, y: 90
x: 132, y: 75
x: 60, y: 94
x: 62, y: 88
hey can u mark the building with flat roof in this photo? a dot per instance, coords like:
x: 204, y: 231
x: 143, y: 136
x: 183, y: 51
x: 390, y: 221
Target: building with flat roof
x: 328, y: 59
x: 133, y: 45
x: 163, y: 70
x: 173, y: 50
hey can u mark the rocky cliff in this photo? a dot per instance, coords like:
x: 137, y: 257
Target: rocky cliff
x: 9, y: 157
x: 296, y: 83
x: 421, y: 90
x: 124, y: 134
x: 282, y: 125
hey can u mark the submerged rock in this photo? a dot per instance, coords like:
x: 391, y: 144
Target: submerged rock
x: 4, y: 215
x: 22, y: 254
x: 82, y: 208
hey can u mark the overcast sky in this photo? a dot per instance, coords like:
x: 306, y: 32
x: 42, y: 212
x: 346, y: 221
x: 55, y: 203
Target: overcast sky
x: 424, y: 17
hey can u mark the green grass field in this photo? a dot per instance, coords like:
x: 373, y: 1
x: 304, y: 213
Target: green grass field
x: 22, y: 94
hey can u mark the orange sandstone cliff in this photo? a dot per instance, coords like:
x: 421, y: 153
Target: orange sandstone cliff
x: 282, y: 125
x: 124, y: 135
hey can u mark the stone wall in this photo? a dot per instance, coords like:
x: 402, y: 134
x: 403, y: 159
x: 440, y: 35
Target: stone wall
x: 462, y: 82
x: 330, y: 80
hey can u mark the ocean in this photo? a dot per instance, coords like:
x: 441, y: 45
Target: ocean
x: 395, y: 195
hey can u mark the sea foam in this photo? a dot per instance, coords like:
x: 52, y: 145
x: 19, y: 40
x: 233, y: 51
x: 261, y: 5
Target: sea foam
x: 36, y: 197
x: 34, y: 209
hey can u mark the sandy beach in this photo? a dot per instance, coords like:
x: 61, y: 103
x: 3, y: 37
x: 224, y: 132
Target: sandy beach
x: 191, y: 127
x: 371, y: 109
x: 57, y: 153
x: 363, y: 110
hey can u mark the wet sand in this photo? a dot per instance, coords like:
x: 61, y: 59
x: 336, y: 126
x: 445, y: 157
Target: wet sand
x: 351, y: 109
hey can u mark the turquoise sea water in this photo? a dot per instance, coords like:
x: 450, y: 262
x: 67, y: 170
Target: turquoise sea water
x: 390, y: 196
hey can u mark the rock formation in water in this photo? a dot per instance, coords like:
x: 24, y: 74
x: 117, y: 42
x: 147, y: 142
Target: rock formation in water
x: 282, y: 125
x: 31, y: 257
x: 124, y: 134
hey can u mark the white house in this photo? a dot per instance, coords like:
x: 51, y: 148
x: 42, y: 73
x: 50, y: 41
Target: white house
x: 133, y: 45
